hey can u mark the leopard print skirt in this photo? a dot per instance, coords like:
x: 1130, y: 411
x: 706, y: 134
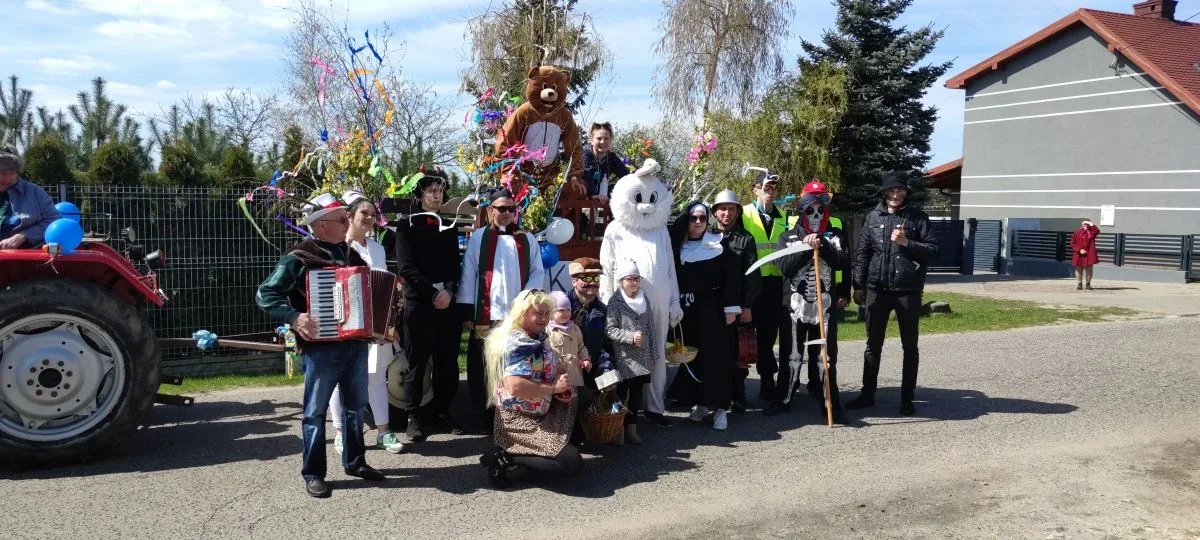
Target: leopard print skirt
x: 525, y: 434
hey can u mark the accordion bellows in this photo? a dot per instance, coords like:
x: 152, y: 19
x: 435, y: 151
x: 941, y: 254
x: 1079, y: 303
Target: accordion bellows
x: 351, y: 302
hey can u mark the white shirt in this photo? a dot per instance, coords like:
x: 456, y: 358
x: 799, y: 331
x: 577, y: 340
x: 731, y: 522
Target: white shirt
x: 378, y: 355
x: 506, y: 276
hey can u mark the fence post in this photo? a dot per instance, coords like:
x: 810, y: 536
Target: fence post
x: 62, y: 192
x: 1060, y: 246
x: 1119, y: 250
x: 1185, y: 257
x: 967, y: 267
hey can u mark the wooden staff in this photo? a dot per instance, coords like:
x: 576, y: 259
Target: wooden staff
x: 824, y: 343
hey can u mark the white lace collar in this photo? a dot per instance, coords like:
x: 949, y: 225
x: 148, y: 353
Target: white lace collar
x: 707, y: 247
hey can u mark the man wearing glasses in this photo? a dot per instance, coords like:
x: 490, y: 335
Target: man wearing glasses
x: 767, y: 223
x: 326, y: 364
x: 499, y: 263
x: 589, y: 313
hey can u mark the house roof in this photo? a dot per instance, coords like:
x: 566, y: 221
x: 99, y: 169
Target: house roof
x: 1168, y: 51
x: 945, y: 176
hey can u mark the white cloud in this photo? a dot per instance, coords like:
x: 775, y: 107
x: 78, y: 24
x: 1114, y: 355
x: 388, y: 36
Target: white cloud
x: 164, y: 85
x: 49, y: 7
x: 186, y: 10
x: 68, y: 66
x: 125, y: 90
x: 236, y: 50
x: 139, y: 30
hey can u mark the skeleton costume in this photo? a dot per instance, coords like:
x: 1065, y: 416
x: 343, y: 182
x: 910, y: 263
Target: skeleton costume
x: 800, y: 293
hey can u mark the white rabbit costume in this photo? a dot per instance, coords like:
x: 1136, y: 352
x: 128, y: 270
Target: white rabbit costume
x: 641, y: 205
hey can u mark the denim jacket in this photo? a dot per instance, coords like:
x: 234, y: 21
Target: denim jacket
x: 34, y: 209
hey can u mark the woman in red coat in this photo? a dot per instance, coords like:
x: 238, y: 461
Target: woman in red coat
x: 1083, y: 252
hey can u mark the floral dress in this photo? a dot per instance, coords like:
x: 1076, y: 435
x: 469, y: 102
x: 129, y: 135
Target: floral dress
x: 539, y: 427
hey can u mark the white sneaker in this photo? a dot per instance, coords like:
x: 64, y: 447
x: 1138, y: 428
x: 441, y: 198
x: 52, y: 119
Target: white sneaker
x: 698, y: 413
x: 720, y: 420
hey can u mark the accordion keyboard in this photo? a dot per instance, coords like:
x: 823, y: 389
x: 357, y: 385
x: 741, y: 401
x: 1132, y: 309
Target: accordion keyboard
x: 324, y: 303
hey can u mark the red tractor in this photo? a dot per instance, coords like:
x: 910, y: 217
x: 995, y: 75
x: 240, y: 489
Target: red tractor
x: 79, y: 361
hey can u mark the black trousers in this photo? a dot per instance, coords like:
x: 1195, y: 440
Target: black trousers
x: 632, y: 389
x: 771, y: 323
x: 740, y: 374
x: 476, y: 374
x: 432, y: 336
x: 566, y: 463
x: 907, y: 306
x: 812, y: 355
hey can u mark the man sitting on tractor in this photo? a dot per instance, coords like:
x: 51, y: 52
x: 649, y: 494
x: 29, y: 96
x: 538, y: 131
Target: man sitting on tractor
x: 25, y: 209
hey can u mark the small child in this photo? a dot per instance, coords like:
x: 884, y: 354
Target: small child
x: 630, y: 326
x: 566, y: 341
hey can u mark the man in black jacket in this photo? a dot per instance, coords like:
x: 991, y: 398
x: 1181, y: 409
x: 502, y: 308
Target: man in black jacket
x: 429, y: 261
x: 893, y: 254
x: 800, y: 279
x: 727, y: 211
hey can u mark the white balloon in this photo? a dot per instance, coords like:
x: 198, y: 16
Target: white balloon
x: 559, y: 231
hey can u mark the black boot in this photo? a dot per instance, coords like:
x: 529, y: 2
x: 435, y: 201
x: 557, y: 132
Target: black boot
x: 766, y: 388
x: 414, y: 431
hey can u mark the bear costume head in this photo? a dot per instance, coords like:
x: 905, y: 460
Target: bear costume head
x: 640, y: 201
x: 546, y: 88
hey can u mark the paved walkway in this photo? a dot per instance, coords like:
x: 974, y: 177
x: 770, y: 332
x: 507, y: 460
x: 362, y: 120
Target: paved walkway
x: 1169, y: 299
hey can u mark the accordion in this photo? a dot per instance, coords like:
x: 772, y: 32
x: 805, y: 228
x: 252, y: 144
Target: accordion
x: 351, y: 302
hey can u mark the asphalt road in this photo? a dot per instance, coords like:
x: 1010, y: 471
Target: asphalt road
x: 1075, y: 431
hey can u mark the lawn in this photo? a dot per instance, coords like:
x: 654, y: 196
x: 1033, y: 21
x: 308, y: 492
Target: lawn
x: 969, y: 314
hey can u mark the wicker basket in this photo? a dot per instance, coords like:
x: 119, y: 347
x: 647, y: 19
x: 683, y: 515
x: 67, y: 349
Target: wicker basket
x: 603, y: 427
x: 677, y: 352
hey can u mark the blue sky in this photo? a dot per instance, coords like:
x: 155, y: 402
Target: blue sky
x: 155, y: 52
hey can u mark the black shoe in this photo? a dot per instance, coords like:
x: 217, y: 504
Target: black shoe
x: 318, y: 488
x: 448, y: 423
x: 907, y: 408
x: 776, y: 408
x: 766, y: 388
x: 737, y: 408
x: 839, y: 416
x: 861, y: 402
x: 1079, y: 286
x: 366, y: 472
x: 658, y: 420
x: 413, y: 432
x: 1088, y: 286
x: 498, y: 466
x: 815, y: 390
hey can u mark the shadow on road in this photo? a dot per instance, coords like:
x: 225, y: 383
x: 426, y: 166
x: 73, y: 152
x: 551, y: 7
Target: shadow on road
x: 207, y: 433
x: 951, y: 404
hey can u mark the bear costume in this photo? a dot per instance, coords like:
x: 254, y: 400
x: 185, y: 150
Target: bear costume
x: 640, y: 206
x: 543, y: 120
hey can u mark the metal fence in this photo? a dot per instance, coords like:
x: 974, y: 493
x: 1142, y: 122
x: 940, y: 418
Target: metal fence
x: 215, y: 261
x: 1154, y: 251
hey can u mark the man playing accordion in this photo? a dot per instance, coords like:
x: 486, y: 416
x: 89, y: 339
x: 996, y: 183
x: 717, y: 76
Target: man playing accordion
x: 326, y: 363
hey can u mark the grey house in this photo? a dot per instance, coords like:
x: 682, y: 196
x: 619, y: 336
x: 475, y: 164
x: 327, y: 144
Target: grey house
x: 1096, y: 116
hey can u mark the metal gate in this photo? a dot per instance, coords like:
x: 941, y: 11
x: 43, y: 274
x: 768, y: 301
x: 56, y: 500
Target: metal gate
x: 987, y: 245
x: 949, y: 234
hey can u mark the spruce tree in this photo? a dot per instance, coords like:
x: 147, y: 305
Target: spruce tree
x: 46, y: 160
x: 885, y: 126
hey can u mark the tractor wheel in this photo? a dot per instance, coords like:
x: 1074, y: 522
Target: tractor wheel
x: 79, y: 368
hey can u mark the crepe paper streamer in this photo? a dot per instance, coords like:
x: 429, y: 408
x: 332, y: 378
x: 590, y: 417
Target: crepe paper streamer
x: 275, y: 177
x: 790, y: 197
x: 387, y: 118
x: 288, y: 223
x: 204, y: 339
x: 241, y: 203
x: 367, y: 36
x: 324, y: 135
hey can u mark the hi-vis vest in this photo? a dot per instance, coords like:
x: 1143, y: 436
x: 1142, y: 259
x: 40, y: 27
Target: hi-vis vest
x: 833, y: 222
x: 764, y: 241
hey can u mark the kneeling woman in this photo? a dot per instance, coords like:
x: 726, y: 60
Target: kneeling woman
x: 534, y: 401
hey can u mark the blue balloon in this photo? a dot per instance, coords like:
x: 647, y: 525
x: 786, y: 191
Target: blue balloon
x: 68, y: 210
x: 549, y: 255
x: 66, y: 233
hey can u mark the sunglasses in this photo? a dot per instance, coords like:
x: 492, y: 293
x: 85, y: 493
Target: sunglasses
x: 814, y: 210
x: 505, y: 209
x: 601, y: 125
x: 699, y: 219
x: 588, y: 279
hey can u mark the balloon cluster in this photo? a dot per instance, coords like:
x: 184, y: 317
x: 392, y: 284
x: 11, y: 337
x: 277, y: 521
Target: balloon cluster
x: 65, y: 232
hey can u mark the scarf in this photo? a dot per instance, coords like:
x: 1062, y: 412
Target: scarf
x: 637, y: 303
x: 487, y: 264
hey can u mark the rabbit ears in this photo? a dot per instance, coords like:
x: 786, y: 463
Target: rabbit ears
x: 648, y: 169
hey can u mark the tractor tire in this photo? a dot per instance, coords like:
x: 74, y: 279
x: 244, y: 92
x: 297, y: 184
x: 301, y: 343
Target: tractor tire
x: 79, y: 369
